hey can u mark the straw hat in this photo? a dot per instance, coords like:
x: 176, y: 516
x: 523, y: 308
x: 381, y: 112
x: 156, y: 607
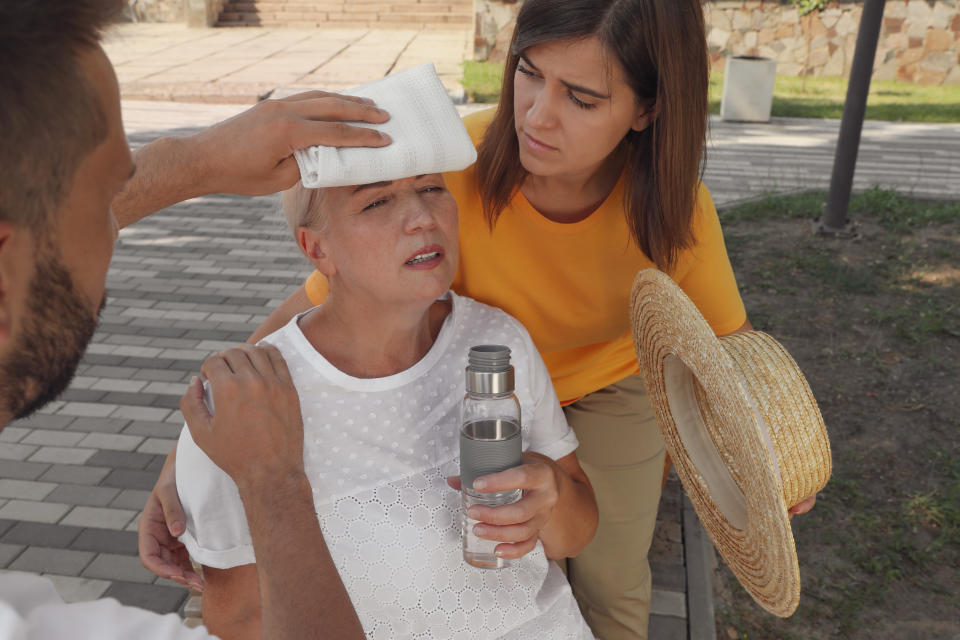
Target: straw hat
x: 743, y: 429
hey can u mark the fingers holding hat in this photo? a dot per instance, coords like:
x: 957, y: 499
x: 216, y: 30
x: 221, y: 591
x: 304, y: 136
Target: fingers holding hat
x: 804, y: 506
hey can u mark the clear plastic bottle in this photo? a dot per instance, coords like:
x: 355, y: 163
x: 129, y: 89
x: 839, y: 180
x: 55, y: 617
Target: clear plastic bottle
x: 489, y: 442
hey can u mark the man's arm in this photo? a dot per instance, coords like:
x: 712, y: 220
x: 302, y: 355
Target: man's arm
x: 249, y: 154
x: 256, y: 437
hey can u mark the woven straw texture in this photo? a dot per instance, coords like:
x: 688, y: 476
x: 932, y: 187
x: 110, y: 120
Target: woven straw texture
x: 761, y: 423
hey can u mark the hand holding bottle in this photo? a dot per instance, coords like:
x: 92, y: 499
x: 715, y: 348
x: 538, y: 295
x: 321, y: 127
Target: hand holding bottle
x: 517, y: 525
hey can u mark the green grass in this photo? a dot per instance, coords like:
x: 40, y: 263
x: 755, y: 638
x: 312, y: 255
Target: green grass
x: 823, y: 98
x: 482, y: 80
x: 896, y: 212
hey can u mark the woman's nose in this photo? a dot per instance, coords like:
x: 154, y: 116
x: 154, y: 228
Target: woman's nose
x: 419, y: 218
x: 542, y: 109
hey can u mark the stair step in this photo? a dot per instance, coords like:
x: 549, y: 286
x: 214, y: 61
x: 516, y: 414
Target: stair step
x: 348, y: 13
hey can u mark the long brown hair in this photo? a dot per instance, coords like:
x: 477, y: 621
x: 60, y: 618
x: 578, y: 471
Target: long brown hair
x: 662, y: 48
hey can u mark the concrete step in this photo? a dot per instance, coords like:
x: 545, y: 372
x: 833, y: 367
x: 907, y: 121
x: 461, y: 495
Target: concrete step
x: 451, y: 14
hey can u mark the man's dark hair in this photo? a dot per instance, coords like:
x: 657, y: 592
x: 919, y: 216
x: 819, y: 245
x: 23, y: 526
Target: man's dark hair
x: 50, y: 115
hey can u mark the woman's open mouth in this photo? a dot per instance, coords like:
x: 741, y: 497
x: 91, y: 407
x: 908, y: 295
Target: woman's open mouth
x: 426, y: 258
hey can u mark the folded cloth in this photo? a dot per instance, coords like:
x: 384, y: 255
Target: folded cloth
x: 428, y: 136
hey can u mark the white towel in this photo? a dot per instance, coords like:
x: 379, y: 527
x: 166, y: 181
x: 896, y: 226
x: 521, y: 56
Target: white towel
x: 428, y: 135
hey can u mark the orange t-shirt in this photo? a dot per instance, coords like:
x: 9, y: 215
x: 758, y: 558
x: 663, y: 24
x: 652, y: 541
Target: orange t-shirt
x: 569, y: 284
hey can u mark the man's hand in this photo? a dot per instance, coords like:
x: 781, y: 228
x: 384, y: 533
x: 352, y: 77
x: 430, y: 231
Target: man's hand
x: 252, y: 153
x: 256, y: 433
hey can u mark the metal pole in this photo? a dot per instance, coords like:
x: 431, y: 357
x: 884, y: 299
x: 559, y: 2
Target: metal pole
x: 854, y: 109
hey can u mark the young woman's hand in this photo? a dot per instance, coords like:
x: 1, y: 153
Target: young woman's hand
x: 160, y: 523
x: 557, y: 507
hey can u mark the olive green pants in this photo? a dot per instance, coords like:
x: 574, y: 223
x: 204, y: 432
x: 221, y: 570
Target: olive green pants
x: 622, y: 453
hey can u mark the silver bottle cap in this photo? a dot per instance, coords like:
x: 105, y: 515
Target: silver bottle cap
x: 489, y: 371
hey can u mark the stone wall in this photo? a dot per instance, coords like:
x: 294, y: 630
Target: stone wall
x: 195, y: 13
x: 920, y: 41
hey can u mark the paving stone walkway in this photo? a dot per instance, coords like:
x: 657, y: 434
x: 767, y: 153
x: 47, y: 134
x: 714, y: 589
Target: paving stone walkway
x: 174, y: 62
x: 203, y: 274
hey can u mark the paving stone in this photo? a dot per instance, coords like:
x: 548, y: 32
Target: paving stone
x: 78, y: 494
x: 121, y: 459
x: 131, y: 499
x: 22, y: 470
x: 141, y: 413
x: 106, y: 371
x: 153, y: 429
x: 667, y: 628
x: 99, y: 517
x: 25, y: 489
x: 128, y: 479
x: 6, y: 525
x: 87, y: 409
x: 111, y: 441
x: 49, y: 437
x: 156, y: 446
x: 99, y: 425
x: 161, y: 599
x: 44, y: 421
x: 74, y: 474
x: 106, y: 541
x: 114, y: 566
x: 42, y: 534
x: 9, y: 553
x: 31, y: 511
x: 81, y: 395
x: 160, y: 375
x: 166, y: 402
x: 157, y: 464
x: 62, y: 455
x: 73, y: 589
x: 13, y: 434
x: 65, y: 562
x: 13, y: 451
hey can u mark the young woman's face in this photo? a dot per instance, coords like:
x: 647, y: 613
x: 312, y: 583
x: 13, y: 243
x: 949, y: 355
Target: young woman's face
x: 390, y: 241
x: 572, y: 107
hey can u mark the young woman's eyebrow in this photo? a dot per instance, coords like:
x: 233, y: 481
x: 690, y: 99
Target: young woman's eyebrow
x: 568, y: 85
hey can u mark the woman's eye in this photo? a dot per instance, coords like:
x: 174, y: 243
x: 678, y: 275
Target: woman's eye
x: 431, y: 189
x: 375, y: 204
x: 526, y: 71
x: 580, y: 103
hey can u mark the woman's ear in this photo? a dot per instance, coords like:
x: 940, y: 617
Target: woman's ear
x: 312, y: 245
x: 646, y: 114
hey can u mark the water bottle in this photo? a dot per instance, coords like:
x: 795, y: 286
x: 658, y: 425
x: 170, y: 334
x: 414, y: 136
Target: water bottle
x: 489, y: 442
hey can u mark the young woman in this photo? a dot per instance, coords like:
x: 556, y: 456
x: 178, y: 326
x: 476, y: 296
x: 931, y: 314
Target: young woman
x: 378, y: 369
x: 589, y: 170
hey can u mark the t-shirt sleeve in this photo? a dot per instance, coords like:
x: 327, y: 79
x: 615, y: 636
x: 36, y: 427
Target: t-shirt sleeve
x: 707, y: 276
x: 30, y: 609
x: 548, y: 434
x: 217, y: 534
x: 317, y: 287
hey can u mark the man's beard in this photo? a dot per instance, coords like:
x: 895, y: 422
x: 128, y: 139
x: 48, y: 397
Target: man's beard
x: 56, y: 331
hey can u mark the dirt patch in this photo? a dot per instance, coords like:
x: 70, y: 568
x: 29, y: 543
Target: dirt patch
x: 874, y: 323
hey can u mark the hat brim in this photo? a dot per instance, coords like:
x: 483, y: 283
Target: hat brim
x: 718, y: 441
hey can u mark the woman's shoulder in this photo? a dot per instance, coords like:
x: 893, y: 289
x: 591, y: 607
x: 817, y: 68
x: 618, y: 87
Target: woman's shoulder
x: 477, y: 123
x: 488, y: 321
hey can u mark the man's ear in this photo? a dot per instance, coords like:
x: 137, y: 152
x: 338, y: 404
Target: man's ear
x: 8, y: 266
x: 312, y: 245
x: 645, y: 116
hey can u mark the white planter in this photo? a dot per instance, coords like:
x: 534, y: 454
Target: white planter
x: 748, y: 89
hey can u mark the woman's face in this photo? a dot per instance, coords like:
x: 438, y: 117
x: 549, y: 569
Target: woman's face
x: 572, y: 107
x: 388, y: 241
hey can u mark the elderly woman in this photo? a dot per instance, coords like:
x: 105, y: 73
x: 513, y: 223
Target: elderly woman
x: 378, y: 369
